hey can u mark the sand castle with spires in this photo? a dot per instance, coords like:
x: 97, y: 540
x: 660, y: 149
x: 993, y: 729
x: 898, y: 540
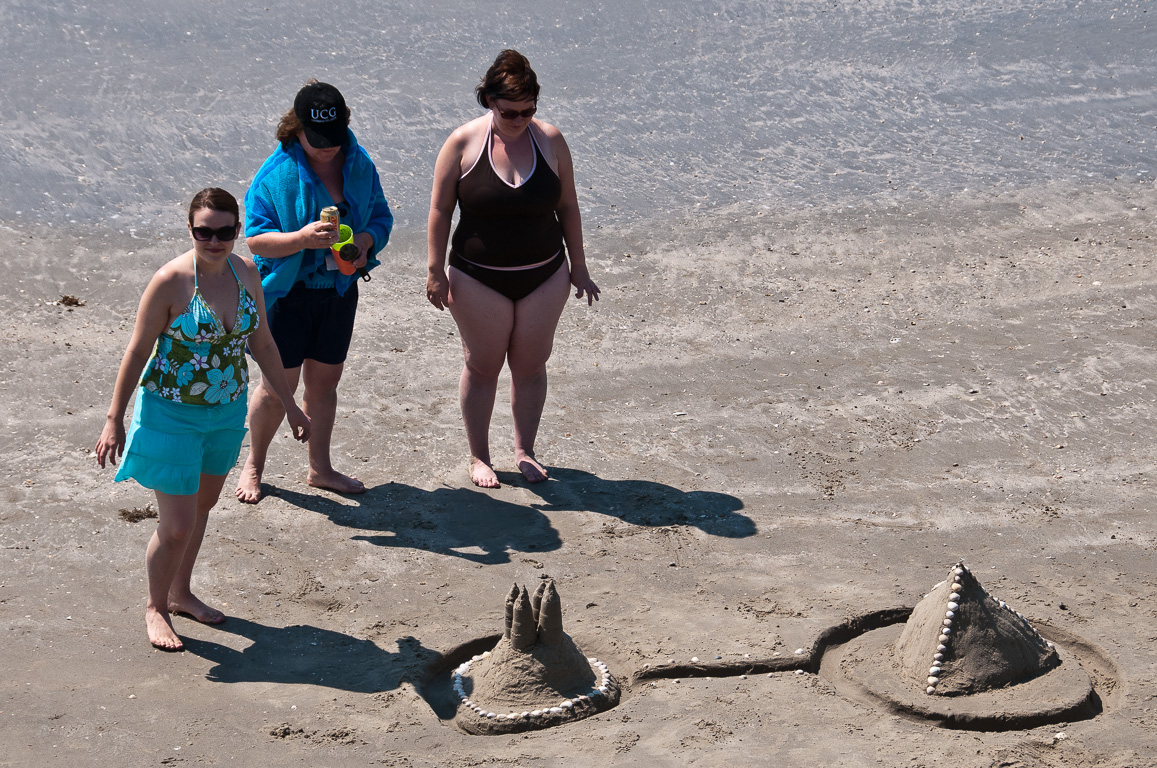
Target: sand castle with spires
x: 536, y: 676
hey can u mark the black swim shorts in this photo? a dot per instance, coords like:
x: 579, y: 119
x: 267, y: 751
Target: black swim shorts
x: 313, y: 324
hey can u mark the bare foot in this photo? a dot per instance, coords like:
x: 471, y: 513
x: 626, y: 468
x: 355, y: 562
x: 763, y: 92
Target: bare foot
x: 482, y: 474
x: 530, y: 469
x: 249, y: 485
x: 337, y: 482
x: 190, y: 605
x: 160, y: 629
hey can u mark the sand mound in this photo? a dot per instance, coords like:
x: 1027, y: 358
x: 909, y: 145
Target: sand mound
x: 536, y: 676
x: 960, y: 640
x: 966, y: 660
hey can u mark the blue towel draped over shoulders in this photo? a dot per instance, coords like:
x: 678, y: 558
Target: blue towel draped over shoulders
x: 283, y: 198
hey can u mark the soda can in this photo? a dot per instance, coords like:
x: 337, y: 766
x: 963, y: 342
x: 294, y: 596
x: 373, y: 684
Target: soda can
x: 330, y: 214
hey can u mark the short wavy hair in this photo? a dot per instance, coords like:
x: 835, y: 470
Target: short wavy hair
x: 509, y: 77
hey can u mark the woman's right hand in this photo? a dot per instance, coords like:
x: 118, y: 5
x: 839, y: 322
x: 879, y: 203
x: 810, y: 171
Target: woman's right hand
x: 298, y: 422
x: 318, y: 234
x: 438, y: 289
x: 112, y: 441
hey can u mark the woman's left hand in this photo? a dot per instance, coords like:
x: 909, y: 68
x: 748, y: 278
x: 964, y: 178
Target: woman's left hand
x: 365, y: 243
x: 298, y: 422
x: 581, y: 280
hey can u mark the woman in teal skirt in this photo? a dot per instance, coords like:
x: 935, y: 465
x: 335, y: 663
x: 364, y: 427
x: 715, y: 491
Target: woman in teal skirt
x: 186, y: 361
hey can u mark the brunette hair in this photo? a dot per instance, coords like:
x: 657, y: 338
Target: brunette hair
x: 290, y: 124
x: 509, y: 77
x: 216, y: 199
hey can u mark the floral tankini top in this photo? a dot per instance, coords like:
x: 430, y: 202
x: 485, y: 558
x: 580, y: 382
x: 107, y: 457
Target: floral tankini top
x: 196, y: 360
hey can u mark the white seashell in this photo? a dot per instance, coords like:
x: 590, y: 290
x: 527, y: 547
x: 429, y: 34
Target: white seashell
x: 957, y: 571
x: 1049, y: 644
x: 930, y: 690
x: 556, y: 710
x: 953, y: 606
x: 694, y: 659
x: 568, y: 704
x: 485, y: 654
x: 525, y: 714
x: 467, y: 703
x: 946, y: 630
x: 932, y: 681
x: 950, y: 614
x: 938, y: 656
x: 799, y: 671
x: 799, y: 651
x: 593, y: 660
x: 934, y: 671
x: 947, y: 622
x: 603, y: 688
x: 536, y: 713
x: 956, y: 587
x: 490, y: 715
x: 476, y: 658
x: 942, y: 647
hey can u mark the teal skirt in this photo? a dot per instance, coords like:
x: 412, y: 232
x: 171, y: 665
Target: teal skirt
x: 170, y: 445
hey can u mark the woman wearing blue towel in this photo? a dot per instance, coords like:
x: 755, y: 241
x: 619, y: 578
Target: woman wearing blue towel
x: 195, y: 318
x: 317, y: 164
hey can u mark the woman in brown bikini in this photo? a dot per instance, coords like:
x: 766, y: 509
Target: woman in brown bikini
x: 512, y: 179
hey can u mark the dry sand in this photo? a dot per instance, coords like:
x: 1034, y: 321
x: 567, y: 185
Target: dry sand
x: 751, y: 438
x: 832, y: 358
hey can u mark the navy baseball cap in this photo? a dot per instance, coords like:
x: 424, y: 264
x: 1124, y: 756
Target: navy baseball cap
x: 323, y: 113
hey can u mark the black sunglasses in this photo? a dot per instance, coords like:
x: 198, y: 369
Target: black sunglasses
x: 510, y: 114
x: 205, y: 234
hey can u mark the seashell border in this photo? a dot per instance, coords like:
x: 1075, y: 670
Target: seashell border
x: 536, y: 715
x: 945, y: 639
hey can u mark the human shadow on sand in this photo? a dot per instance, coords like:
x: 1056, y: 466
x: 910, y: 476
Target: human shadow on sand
x: 457, y: 522
x: 306, y: 655
x: 643, y: 502
x: 476, y: 525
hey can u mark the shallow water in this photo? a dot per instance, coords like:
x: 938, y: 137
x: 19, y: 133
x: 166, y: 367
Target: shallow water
x: 115, y: 113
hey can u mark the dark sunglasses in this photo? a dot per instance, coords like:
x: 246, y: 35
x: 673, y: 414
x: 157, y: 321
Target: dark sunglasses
x: 205, y: 234
x: 510, y: 114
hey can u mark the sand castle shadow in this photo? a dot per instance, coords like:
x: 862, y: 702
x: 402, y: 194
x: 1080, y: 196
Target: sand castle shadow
x: 457, y: 522
x: 307, y: 655
x: 644, y: 502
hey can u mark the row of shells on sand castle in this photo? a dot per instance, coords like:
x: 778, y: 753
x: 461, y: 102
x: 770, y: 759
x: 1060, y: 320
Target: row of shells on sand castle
x: 535, y: 676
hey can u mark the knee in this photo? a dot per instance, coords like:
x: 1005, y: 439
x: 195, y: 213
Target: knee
x: 529, y: 362
x: 175, y: 533
x: 483, y: 372
x: 527, y: 370
x: 265, y: 400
